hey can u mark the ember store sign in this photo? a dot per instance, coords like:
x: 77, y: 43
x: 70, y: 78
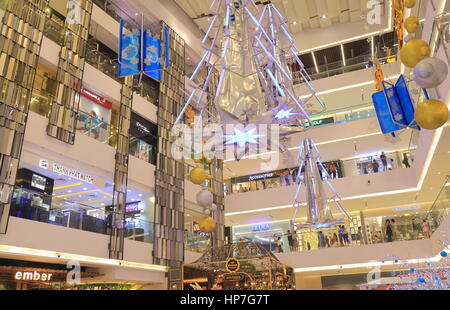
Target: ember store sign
x: 33, y: 276
x: 96, y: 98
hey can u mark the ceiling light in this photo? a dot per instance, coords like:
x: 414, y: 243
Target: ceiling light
x: 295, y: 23
x: 140, y: 195
x: 85, y: 188
x: 324, y: 16
x: 129, y: 190
x: 69, y: 191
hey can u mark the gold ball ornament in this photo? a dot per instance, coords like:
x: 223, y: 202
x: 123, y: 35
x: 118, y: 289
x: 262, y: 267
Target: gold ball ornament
x: 211, y: 190
x: 431, y: 114
x: 411, y: 24
x: 410, y: 3
x: 207, y: 224
x: 197, y: 160
x: 198, y: 176
x: 209, y: 161
x: 413, y: 52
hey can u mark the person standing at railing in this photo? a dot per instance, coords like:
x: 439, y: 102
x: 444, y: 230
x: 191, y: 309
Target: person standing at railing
x: 295, y: 241
x: 426, y: 229
x: 384, y: 161
x: 394, y: 229
x: 375, y: 166
x: 388, y: 229
x: 406, y: 161
x: 290, y: 240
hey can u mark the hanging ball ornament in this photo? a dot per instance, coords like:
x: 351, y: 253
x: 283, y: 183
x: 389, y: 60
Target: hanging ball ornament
x: 411, y: 24
x: 413, y: 52
x: 198, y: 176
x: 205, y: 198
x: 430, y: 72
x: 431, y: 114
x: 207, y: 224
x: 410, y: 3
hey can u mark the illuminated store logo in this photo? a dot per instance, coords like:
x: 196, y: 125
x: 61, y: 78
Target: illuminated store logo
x: 261, y: 227
x: 406, y: 208
x: 43, y: 163
x: 96, y: 98
x: 142, y: 127
x: 33, y: 276
x: 72, y: 173
x: 260, y: 176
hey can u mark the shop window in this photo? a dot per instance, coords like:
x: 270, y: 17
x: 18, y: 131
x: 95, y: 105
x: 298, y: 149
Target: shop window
x: 143, y: 139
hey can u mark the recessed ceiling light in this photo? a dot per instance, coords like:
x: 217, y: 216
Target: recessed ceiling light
x: 69, y: 191
x: 132, y: 199
x: 295, y: 23
x: 85, y: 189
x: 324, y: 16
x: 129, y: 190
x: 140, y: 195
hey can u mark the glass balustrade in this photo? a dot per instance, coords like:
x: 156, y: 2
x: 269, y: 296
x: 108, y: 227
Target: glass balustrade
x: 59, y: 211
x: 336, y: 170
x: 417, y: 226
x: 196, y: 242
x: 341, y: 67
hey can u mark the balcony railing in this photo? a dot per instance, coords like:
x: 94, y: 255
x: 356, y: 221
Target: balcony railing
x: 351, y: 167
x: 410, y: 227
x: 341, y: 67
x: 37, y: 206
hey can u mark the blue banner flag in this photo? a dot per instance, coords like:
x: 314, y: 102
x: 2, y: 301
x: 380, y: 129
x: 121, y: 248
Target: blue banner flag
x: 141, y: 53
x: 129, y: 52
x: 152, y: 56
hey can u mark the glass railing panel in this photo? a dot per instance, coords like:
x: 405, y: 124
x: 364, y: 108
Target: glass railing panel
x: 344, y: 168
x: 306, y: 240
x: 196, y: 242
x: 37, y: 206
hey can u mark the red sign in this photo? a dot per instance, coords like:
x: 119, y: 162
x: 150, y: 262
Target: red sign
x: 96, y: 98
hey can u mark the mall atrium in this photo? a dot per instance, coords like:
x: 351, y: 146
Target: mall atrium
x: 224, y: 144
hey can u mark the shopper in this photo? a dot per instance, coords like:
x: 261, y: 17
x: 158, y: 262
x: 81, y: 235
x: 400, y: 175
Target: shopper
x: 334, y: 240
x: 279, y: 245
x: 394, y: 230
x: 415, y: 229
x: 295, y: 238
x: 388, y: 230
x: 406, y: 161
x: 383, y: 161
x: 333, y: 169
x: 375, y: 166
x: 321, y: 239
x: 426, y: 229
x: 290, y: 240
x: 340, y: 232
x: 308, y: 246
x: 345, y: 235
x: 392, y: 164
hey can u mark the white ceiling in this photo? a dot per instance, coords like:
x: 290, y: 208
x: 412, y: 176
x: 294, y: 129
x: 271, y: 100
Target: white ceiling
x: 301, y: 14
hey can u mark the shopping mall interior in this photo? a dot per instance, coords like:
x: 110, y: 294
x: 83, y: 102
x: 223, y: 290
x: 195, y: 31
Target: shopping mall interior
x: 224, y: 145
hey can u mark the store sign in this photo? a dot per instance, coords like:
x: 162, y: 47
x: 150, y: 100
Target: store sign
x: 261, y: 227
x: 33, y: 276
x: 232, y: 265
x: 320, y: 122
x: 260, y: 176
x: 72, y: 173
x: 142, y: 127
x: 406, y: 208
x: 96, y: 98
x: 234, y: 277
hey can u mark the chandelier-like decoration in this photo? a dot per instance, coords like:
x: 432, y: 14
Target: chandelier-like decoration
x: 313, y: 176
x: 254, y: 53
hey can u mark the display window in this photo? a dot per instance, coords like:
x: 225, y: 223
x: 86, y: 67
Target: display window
x: 94, y: 115
x: 143, y: 141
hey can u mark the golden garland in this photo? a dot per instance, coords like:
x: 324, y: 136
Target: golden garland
x: 398, y: 11
x: 379, y: 76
